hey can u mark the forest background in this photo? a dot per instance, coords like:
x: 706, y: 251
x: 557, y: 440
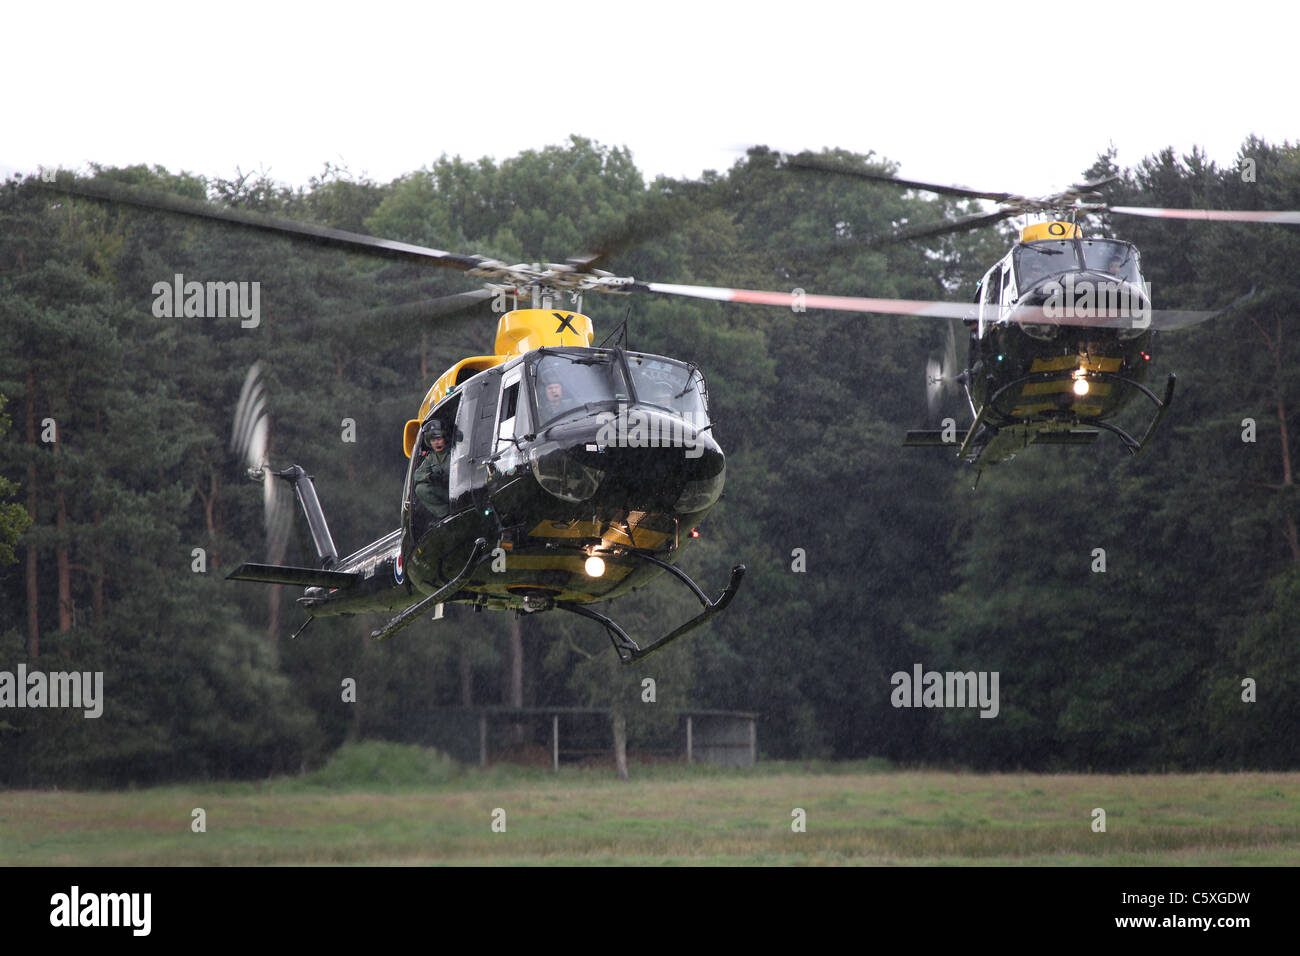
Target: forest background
x: 864, y: 558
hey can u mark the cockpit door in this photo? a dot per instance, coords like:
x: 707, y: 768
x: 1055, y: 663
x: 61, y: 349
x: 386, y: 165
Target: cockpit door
x: 990, y: 298
x: 1009, y: 290
x: 511, y: 420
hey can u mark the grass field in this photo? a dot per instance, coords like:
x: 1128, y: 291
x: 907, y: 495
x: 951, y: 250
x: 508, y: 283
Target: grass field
x: 406, y: 807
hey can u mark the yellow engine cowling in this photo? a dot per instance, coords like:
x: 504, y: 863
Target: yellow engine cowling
x: 1050, y: 230
x: 523, y: 330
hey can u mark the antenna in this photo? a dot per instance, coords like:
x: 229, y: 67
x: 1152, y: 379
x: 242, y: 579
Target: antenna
x: 619, y: 332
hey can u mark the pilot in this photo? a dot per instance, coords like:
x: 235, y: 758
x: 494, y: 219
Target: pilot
x: 660, y: 393
x: 1118, y: 260
x: 433, y: 475
x: 553, y: 400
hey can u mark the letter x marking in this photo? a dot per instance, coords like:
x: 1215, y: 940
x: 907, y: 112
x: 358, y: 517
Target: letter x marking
x: 566, y: 321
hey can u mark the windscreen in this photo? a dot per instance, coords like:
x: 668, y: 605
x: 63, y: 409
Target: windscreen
x: 668, y: 384
x: 1045, y: 257
x: 1113, y: 257
x: 563, y: 382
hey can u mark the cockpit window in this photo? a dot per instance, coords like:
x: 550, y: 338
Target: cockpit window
x: 1045, y: 257
x: 671, y: 385
x: 562, y: 382
x: 1113, y: 257
x: 1038, y: 260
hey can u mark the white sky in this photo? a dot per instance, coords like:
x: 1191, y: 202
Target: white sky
x: 1008, y: 96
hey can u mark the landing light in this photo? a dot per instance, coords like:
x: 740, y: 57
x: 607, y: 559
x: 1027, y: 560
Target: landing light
x: 594, y: 566
x: 1081, y: 386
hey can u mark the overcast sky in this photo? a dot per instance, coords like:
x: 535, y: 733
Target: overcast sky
x: 1006, y: 96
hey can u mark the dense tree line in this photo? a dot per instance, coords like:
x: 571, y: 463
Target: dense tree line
x: 864, y: 558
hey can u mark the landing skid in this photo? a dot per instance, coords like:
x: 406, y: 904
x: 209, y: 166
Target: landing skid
x: 1134, y: 446
x: 412, y: 613
x: 978, y: 439
x: 628, y: 650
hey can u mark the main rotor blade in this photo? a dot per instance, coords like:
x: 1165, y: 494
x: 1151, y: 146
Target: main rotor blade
x: 1021, y: 203
x: 920, y: 231
x: 819, y: 164
x: 1080, y: 188
x: 1215, y: 215
x: 662, y: 213
x: 960, y: 224
x: 437, y: 308
x: 109, y: 191
x: 1080, y: 317
x: 799, y: 301
x: 413, y: 316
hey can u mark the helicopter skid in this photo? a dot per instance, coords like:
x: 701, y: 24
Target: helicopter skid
x: 989, y: 441
x: 1135, y: 446
x: 627, y: 649
x: 412, y: 613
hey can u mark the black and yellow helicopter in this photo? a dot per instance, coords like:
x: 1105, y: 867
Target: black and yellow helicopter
x: 1060, y: 334
x: 576, y: 472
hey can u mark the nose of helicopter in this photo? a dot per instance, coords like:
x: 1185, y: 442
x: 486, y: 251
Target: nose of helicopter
x: 661, y: 478
x: 638, y: 458
x: 1091, y: 298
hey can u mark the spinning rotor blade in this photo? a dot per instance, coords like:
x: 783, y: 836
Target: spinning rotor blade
x: 941, y: 372
x: 938, y: 310
x: 933, y: 385
x: 249, y: 436
x: 414, y: 316
x: 1079, y: 197
x: 1074, y: 317
x: 662, y: 213
x: 1015, y: 199
x: 1154, y: 320
x: 960, y: 224
x: 324, y: 235
x: 826, y: 165
x: 249, y: 440
x: 277, y: 517
x: 1080, y: 191
x: 906, y: 233
x: 1214, y: 215
x: 950, y: 353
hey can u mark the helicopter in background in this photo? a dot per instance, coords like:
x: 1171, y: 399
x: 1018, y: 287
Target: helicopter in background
x: 1061, y: 332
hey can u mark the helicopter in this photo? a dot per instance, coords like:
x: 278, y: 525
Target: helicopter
x: 587, y: 468
x: 575, y: 472
x: 1061, y: 332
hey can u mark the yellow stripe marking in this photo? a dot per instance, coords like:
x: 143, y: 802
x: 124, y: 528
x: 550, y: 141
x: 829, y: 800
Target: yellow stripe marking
x: 1063, y: 385
x: 1063, y: 363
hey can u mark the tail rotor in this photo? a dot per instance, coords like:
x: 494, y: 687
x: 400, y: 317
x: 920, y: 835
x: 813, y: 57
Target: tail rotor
x: 250, y: 439
x: 941, y: 373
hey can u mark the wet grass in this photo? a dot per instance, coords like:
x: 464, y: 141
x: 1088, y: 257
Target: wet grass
x: 433, y: 812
